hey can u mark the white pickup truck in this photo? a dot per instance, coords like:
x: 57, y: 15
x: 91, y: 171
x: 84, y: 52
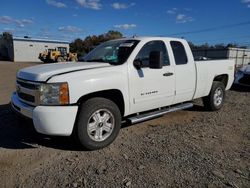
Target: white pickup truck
x: 130, y: 79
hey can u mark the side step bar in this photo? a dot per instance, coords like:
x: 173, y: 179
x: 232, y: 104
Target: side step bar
x: 152, y: 115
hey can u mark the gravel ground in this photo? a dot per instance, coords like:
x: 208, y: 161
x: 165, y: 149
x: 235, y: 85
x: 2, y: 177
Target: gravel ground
x: 191, y: 148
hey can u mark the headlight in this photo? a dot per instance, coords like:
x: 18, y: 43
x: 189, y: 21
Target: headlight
x: 54, y: 94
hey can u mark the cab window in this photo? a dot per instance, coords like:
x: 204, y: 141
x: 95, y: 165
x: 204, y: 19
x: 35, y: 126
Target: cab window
x: 143, y: 55
x: 180, y: 55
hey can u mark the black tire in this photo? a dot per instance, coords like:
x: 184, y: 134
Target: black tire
x: 87, y: 111
x: 60, y: 59
x: 74, y: 59
x: 210, y: 101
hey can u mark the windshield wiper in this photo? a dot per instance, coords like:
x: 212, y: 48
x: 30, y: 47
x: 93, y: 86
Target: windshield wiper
x: 114, y: 63
x: 103, y: 61
x: 96, y: 60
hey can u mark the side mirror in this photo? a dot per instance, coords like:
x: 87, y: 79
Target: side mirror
x: 138, y: 64
x: 156, y: 60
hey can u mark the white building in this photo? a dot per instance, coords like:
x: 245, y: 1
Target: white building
x: 28, y: 49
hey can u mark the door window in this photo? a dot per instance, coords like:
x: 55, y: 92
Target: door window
x: 143, y: 55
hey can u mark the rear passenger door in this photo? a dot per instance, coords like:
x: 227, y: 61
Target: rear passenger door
x: 185, y: 72
x: 151, y: 88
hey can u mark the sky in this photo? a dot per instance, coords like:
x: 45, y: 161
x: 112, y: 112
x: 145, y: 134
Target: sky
x: 199, y: 21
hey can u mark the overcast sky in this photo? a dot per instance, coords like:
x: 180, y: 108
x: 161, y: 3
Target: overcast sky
x: 213, y: 21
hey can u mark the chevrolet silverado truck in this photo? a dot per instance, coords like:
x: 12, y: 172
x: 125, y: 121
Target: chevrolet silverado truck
x: 129, y: 79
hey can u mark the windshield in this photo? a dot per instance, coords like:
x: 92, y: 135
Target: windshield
x: 113, y: 52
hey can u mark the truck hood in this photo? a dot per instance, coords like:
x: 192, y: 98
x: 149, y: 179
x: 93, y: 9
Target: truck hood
x: 44, y: 72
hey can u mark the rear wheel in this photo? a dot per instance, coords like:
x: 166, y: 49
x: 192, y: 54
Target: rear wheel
x: 60, y: 59
x: 215, y: 100
x: 98, y: 124
x: 74, y: 59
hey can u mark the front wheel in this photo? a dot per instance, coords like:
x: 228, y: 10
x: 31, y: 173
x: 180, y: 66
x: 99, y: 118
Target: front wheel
x: 98, y: 124
x: 215, y: 100
x: 60, y: 59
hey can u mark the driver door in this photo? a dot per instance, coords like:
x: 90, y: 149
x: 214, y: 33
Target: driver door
x: 151, y: 88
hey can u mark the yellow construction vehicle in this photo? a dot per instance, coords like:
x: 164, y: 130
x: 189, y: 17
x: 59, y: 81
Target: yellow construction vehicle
x: 58, y: 54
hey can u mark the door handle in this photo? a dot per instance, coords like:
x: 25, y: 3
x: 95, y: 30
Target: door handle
x: 168, y: 74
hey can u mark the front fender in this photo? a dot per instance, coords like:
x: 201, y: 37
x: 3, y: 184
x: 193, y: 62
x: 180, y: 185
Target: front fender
x: 85, y: 82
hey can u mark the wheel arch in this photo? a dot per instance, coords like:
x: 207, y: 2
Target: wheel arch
x: 114, y: 95
x: 223, y: 78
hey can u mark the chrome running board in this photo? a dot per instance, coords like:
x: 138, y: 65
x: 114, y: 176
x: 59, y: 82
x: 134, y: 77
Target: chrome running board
x: 158, y: 113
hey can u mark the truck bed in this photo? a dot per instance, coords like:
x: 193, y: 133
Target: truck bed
x: 207, y: 70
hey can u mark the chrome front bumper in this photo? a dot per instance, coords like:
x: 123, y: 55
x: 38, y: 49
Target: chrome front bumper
x: 21, y: 107
x: 49, y: 120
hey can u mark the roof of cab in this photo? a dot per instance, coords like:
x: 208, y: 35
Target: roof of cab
x: 151, y: 38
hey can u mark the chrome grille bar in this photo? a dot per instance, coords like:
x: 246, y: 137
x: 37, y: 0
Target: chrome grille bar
x: 28, y: 92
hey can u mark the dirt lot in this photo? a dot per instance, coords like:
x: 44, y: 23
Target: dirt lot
x: 192, y: 148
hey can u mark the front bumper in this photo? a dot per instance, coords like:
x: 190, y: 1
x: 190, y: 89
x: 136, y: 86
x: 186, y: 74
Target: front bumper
x: 49, y: 120
x: 21, y: 107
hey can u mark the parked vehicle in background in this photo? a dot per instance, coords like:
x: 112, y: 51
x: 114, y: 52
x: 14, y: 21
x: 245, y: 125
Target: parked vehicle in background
x: 57, y: 55
x: 242, y: 76
x: 130, y: 79
x: 200, y: 58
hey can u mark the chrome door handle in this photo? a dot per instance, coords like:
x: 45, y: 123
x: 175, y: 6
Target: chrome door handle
x: 168, y: 74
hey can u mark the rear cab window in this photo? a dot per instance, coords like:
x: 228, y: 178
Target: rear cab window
x: 179, y: 52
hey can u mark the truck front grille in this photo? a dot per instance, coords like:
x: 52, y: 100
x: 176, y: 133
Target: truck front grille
x: 28, y: 92
x: 27, y: 85
x: 26, y: 97
x: 245, y: 79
